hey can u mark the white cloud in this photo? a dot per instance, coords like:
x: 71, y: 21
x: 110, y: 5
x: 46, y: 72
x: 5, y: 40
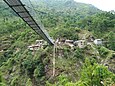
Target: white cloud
x: 106, y: 5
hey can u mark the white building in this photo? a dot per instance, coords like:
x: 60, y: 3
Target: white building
x: 98, y: 41
x: 39, y: 42
x: 69, y: 41
x: 80, y: 43
x: 33, y: 47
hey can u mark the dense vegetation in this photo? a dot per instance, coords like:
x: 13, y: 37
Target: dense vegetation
x: 74, y: 67
x: 102, y: 25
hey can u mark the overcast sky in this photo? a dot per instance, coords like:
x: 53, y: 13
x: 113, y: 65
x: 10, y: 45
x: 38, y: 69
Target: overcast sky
x: 106, y: 5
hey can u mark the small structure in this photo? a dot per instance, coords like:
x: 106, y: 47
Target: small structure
x: 69, y: 41
x: 39, y: 42
x: 98, y: 41
x: 90, y: 38
x: 33, y: 47
x: 80, y: 43
x: 1, y: 50
x: 60, y: 41
x: 76, y: 43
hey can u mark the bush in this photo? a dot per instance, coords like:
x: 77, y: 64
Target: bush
x: 94, y: 74
x: 1, y: 80
x: 103, y: 52
x: 33, y: 67
x: 78, y: 53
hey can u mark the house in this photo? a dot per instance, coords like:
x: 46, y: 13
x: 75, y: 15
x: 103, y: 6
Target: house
x: 60, y: 41
x: 76, y: 43
x: 98, y: 41
x: 33, y: 47
x: 90, y: 38
x: 69, y: 41
x: 80, y: 43
x: 39, y: 42
x: 1, y: 50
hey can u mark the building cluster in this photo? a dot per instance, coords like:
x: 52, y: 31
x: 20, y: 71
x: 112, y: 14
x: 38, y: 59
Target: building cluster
x: 38, y: 45
x: 71, y: 43
x: 79, y: 43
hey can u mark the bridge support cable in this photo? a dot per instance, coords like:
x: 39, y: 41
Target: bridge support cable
x: 53, y: 61
x: 21, y: 11
x: 36, y: 16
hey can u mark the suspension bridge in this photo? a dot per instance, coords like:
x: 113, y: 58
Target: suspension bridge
x: 19, y: 8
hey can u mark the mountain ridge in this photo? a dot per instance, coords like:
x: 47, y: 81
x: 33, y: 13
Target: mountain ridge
x: 62, y: 5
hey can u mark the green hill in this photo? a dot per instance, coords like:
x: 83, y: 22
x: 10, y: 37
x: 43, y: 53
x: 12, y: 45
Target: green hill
x: 5, y: 11
x: 55, y: 12
x: 66, y: 7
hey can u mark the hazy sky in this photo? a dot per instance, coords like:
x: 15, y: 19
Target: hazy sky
x: 106, y: 5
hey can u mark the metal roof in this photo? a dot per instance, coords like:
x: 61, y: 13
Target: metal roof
x: 21, y: 10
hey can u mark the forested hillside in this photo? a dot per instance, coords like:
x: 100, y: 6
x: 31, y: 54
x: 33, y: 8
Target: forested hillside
x: 57, y: 12
x: 88, y: 65
x: 5, y: 11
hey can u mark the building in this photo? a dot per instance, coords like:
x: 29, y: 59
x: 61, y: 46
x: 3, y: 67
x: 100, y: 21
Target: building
x: 33, y: 47
x: 90, y: 38
x: 98, y: 41
x: 69, y: 41
x: 80, y: 43
x: 39, y: 42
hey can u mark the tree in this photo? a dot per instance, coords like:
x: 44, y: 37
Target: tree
x: 109, y: 40
x: 2, y: 83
